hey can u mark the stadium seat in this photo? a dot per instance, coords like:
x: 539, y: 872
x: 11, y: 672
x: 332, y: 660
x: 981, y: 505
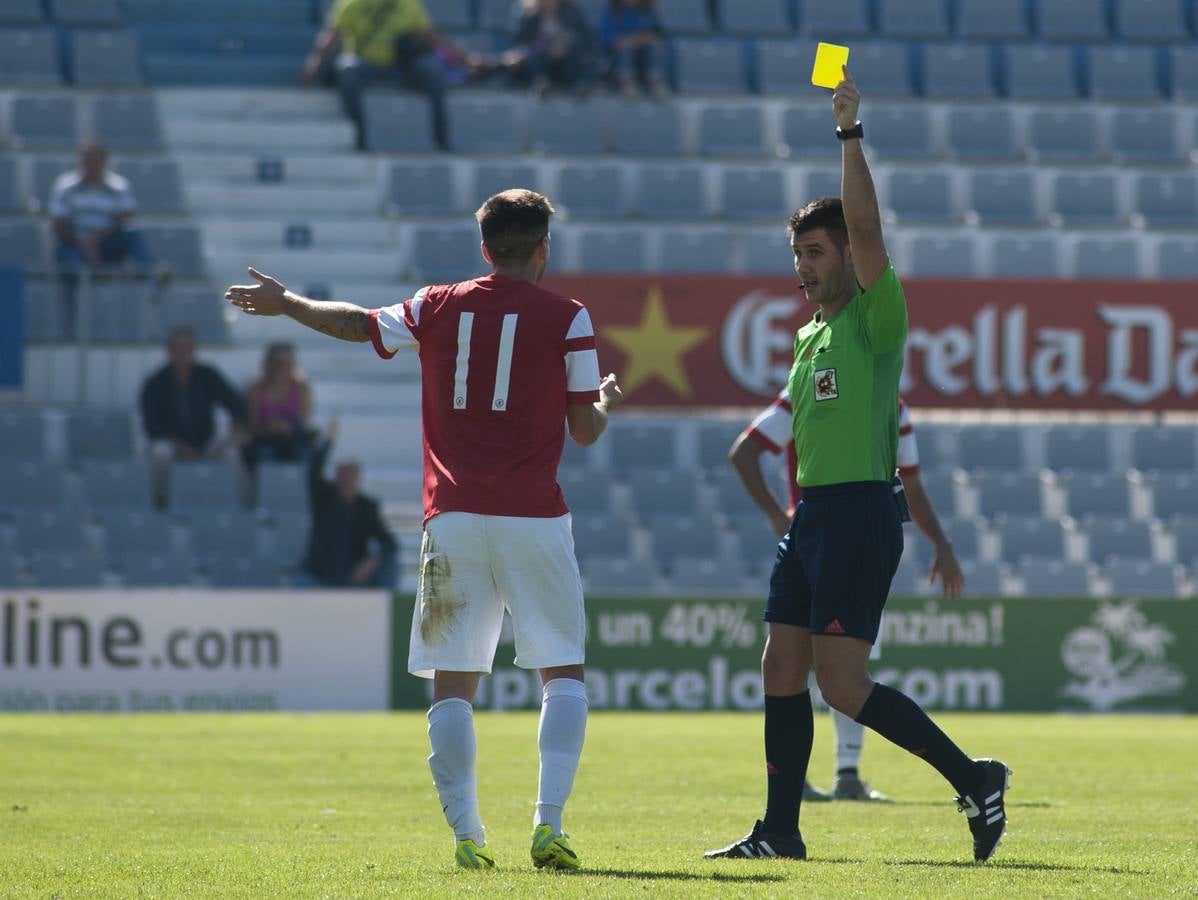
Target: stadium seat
x: 35, y: 485
x: 766, y: 251
x: 1141, y: 578
x: 944, y: 256
x: 1165, y: 200
x: 902, y: 132
x: 1027, y: 257
x: 1094, y: 494
x: 733, y: 500
x: 143, y: 570
x: 599, y: 537
x: 1177, y: 258
x: 822, y: 182
x: 715, y: 440
x: 200, y: 310
x: 12, y: 574
x: 155, y: 184
x: 709, y: 66
x: 48, y: 123
x: 884, y: 69
x: 227, y: 571
x: 224, y: 534
x: 645, y: 129
x: 179, y: 247
x: 1136, y: 137
x: 834, y: 18
x: 696, y: 251
x: 780, y: 64
x: 1183, y: 67
x: 493, y: 123
x: 586, y: 493
x: 1185, y: 536
x: 592, y: 190
x: 443, y: 254
x: 1151, y: 20
x: 97, y: 13
x: 29, y: 56
x: 982, y: 133
x: 455, y: 15
x: 1025, y: 536
x: 1003, y: 196
x: 920, y: 196
x: 21, y: 244
x: 42, y: 315
x: 1064, y: 135
x: 10, y: 197
x: 22, y: 12
x: 962, y: 533
x: 204, y: 486
x: 45, y: 531
x: 1013, y: 493
x: 669, y: 191
x: 1085, y: 199
x: 492, y: 177
x: 958, y: 70
x: 95, y: 434
x: 643, y: 446
x: 1100, y: 257
x: 756, y: 17
x: 495, y: 15
x: 992, y: 19
x: 698, y: 575
x: 289, y: 539
x: 1124, y: 73
x: 1040, y: 72
x: 805, y: 134
x: 913, y: 18
x: 127, y: 122
x: 1165, y: 449
x: 397, y: 123
x: 1174, y: 494
x: 565, y: 126
x: 613, y: 250
x: 982, y: 579
x: 281, y: 487
x: 115, y: 485
x: 24, y: 430
x: 63, y: 570
x: 603, y: 575
x: 753, y: 192
x: 1078, y: 448
x: 1071, y: 20
x: 105, y: 58
x: 422, y: 188
x: 1117, y: 537
x: 658, y: 490
x: 985, y: 447
x: 727, y: 130
x: 675, y: 536
x: 685, y: 16
x: 1054, y: 578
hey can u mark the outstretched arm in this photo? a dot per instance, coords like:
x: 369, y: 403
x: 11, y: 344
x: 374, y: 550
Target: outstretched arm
x: 861, y: 214
x: 269, y: 297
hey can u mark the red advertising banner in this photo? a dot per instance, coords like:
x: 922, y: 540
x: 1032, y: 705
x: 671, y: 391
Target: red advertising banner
x: 1067, y: 345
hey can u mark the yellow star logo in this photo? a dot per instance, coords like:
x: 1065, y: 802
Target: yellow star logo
x: 654, y: 348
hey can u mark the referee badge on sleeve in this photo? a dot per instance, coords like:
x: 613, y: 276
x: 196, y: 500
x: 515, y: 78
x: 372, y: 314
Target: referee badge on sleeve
x: 825, y: 385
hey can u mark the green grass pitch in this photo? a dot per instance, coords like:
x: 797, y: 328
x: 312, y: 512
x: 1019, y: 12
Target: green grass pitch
x: 343, y: 806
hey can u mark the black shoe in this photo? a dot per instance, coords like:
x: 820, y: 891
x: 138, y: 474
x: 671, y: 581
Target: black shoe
x: 851, y: 787
x: 762, y: 843
x: 984, y: 807
x: 812, y: 794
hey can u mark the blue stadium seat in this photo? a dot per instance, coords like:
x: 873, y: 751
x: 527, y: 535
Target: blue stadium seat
x: 97, y: 434
x: 179, y: 246
x: 1177, y: 258
x: 495, y: 15
x: 96, y: 13
x: 21, y: 244
x: 565, y: 126
x: 958, y: 70
x: 192, y: 70
x: 1183, y: 67
x: 882, y: 68
x: 643, y: 446
x: 982, y: 133
x: 1185, y: 536
x: 1117, y: 537
x: 29, y: 56
x: 12, y: 573
x: 289, y: 539
x: 982, y: 579
x: 1065, y: 135
x: 1140, y: 578
x: 445, y: 253
x: 1151, y: 20
x: 282, y: 487
x: 1013, y: 493
x: 592, y: 191
x: 675, y: 536
x: 1165, y: 200
x: 1101, y: 257
x: 46, y: 531
x: 227, y: 571
x: 600, y: 537
x: 24, y: 430
x: 453, y: 15
x: 944, y: 256
x: 224, y: 534
x: 781, y: 66
x: 63, y: 570
x: 913, y: 18
x: 493, y: 123
x: 658, y: 491
x: 614, y: 575
x: 834, y: 18
x: 1003, y: 196
x: 138, y: 533
x: 155, y: 184
x: 901, y: 132
x: 105, y: 58
x: 22, y: 12
x: 756, y: 17
x: 645, y: 129
x: 1071, y: 20
x: 144, y: 570
x: 766, y: 251
x: 1040, y: 72
x: 1029, y: 536
x: 282, y: 12
x: 715, y: 440
x: 10, y: 196
x: 822, y: 182
x: 920, y: 195
x: 613, y: 250
x: 669, y: 191
x: 34, y: 485
x: 109, y: 484
x: 586, y: 493
x: 992, y: 19
x: 699, y: 575
x: 1124, y: 73
x: 1136, y: 137
x: 685, y: 16
x: 1054, y: 578
x: 397, y: 123
x: 1174, y: 494
x: 417, y: 187
x: 695, y: 251
x: 985, y: 447
x: 709, y: 66
x: 1095, y: 494
x: 753, y: 192
x: 198, y: 309
x: 1085, y: 199
x: 1165, y: 449
x: 204, y: 486
x: 38, y: 122
x: 492, y: 177
x: 127, y: 122
x: 962, y: 532
x: 1078, y: 448
x: 732, y: 130
x: 805, y: 134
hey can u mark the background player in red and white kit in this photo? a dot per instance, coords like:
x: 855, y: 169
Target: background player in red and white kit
x: 504, y: 364
x: 772, y: 431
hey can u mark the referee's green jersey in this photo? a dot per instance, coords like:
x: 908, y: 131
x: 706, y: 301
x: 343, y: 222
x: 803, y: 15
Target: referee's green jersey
x: 844, y: 388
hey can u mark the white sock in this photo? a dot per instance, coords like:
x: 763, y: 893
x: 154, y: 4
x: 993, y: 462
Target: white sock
x: 451, y: 735
x: 849, y: 736
x: 563, y: 727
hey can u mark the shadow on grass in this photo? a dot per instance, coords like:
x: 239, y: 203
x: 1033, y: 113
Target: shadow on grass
x: 634, y: 874
x: 1010, y: 804
x: 1010, y: 864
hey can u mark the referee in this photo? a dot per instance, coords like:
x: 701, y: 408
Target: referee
x: 834, y: 566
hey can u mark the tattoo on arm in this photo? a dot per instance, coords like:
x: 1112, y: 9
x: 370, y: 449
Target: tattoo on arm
x: 344, y: 321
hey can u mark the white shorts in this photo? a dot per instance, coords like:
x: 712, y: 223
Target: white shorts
x: 472, y: 568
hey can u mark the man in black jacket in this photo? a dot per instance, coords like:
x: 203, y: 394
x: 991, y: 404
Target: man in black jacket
x: 345, y: 523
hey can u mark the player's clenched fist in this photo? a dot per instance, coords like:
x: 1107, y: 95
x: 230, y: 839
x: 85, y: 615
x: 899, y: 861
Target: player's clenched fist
x: 846, y: 100
x: 610, y: 394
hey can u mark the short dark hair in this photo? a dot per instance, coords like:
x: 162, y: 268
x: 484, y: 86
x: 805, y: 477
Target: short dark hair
x: 513, y: 223
x: 826, y: 213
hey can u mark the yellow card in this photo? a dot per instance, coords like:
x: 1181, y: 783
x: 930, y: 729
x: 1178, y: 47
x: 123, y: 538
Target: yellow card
x: 828, y: 60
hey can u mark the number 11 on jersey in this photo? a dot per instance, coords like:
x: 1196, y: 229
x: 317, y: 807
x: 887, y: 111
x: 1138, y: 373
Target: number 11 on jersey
x: 503, y: 368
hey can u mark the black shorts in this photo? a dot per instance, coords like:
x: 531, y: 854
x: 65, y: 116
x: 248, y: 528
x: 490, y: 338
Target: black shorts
x: 834, y: 567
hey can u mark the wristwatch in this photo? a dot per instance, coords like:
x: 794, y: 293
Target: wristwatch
x: 847, y: 134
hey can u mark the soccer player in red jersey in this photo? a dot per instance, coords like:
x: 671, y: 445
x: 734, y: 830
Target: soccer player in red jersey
x: 504, y: 363
x: 771, y: 431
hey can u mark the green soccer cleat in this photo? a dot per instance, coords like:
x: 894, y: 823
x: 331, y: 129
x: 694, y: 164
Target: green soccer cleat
x: 470, y: 855
x: 552, y: 851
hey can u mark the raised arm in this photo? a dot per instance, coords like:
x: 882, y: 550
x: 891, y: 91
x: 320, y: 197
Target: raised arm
x: 270, y: 297
x: 586, y: 422
x: 861, y: 214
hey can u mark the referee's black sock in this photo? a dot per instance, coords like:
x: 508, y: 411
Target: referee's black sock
x: 900, y: 720
x: 789, y: 731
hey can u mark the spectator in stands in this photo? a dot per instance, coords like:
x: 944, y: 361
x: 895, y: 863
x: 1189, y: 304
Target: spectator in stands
x: 178, y: 403
x: 382, y: 40
x: 633, y: 37
x: 279, y: 410
x: 553, y: 46
x: 345, y: 524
